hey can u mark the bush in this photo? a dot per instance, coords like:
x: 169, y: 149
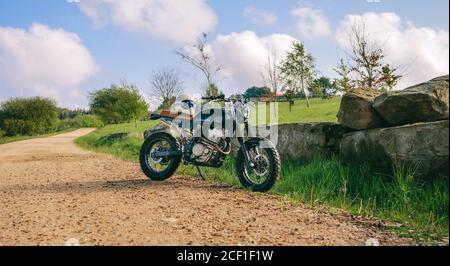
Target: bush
x: 118, y: 104
x: 81, y: 121
x: 2, y: 133
x: 31, y: 116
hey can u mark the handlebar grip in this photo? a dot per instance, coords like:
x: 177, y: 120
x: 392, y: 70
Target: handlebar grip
x: 212, y: 98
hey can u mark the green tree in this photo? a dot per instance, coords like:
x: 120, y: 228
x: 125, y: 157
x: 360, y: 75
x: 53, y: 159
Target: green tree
x: 323, y: 87
x: 389, y: 78
x: 298, y: 69
x: 290, y: 92
x: 257, y: 92
x: 212, y: 90
x: 118, y: 104
x: 343, y: 83
x: 31, y: 116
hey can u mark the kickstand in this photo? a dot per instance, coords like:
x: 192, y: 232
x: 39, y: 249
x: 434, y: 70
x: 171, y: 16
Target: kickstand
x: 200, y: 173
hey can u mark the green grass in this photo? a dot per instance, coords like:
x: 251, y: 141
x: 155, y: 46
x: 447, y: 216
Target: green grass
x: 126, y: 148
x: 421, y: 208
x: 319, y: 111
x: 4, y: 140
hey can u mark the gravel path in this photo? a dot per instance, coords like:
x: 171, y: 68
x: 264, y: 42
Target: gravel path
x: 52, y: 191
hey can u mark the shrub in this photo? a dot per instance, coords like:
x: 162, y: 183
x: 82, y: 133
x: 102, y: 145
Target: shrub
x: 88, y: 121
x: 31, y: 116
x: 81, y: 121
x: 118, y: 104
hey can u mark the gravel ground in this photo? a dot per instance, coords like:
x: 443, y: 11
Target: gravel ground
x: 52, y: 191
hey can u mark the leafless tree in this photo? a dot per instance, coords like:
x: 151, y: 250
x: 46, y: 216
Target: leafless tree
x: 166, y: 84
x: 366, y: 57
x: 201, y: 61
x: 271, y: 73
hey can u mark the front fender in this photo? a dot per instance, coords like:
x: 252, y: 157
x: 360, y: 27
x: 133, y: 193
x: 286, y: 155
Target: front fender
x: 263, y: 142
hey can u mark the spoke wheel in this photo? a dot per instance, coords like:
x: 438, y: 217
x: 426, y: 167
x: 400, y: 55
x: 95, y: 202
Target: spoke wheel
x: 266, y: 166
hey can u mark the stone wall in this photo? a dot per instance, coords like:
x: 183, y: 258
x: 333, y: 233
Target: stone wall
x: 409, y: 128
x: 424, y: 146
x: 305, y: 140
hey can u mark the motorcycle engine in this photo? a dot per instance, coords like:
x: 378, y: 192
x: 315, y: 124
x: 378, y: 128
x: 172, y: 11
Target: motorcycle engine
x: 201, y: 153
x: 205, y: 154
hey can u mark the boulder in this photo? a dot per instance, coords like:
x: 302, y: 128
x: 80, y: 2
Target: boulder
x: 356, y: 110
x: 303, y: 141
x: 426, y: 102
x: 422, y: 145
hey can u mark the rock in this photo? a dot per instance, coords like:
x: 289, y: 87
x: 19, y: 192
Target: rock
x: 372, y: 242
x: 115, y: 136
x: 136, y: 135
x: 426, y: 102
x: 356, y: 110
x: 71, y: 242
x: 305, y: 140
x: 422, y: 145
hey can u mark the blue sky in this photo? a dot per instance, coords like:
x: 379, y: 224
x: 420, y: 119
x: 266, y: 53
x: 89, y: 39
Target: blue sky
x: 119, y: 48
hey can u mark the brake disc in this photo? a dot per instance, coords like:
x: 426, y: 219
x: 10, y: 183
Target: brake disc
x: 261, y: 165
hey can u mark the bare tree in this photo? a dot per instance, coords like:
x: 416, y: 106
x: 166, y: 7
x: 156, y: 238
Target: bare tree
x: 271, y: 73
x: 365, y: 67
x: 366, y: 57
x: 166, y: 84
x: 202, y: 61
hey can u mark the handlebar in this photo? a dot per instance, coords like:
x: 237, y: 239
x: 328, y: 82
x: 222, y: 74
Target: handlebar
x: 222, y: 98
x: 214, y: 98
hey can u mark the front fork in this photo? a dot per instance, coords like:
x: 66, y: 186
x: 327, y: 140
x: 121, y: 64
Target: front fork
x: 248, y: 162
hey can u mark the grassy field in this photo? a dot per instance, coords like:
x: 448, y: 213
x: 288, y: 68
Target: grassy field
x: 319, y: 111
x: 414, y: 208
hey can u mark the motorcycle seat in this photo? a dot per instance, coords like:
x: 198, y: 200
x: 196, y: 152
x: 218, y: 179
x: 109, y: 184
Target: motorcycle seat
x: 170, y: 115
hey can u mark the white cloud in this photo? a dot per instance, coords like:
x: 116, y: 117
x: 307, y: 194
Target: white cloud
x: 44, y: 61
x: 243, y: 54
x: 173, y: 20
x: 311, y: 22
x: 421, y: 52
x: 259, y: 17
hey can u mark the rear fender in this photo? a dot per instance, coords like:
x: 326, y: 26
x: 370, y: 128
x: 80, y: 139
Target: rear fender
x: 163, y: 127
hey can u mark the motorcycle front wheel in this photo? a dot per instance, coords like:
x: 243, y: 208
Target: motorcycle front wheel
x: 159, y: 169
x: 266, y: 170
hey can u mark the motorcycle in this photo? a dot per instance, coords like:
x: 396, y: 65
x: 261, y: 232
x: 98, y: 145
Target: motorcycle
x: 203, y: 138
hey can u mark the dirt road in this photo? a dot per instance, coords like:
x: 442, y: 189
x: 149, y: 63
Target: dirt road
x: 52, y: 191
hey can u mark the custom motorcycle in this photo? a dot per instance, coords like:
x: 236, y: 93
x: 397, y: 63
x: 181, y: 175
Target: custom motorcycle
x: 203, y: 137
